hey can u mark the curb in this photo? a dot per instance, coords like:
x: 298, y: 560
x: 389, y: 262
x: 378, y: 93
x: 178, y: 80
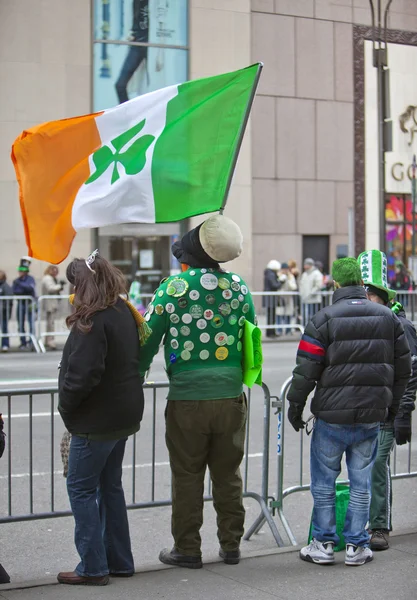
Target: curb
x: 47, y: 581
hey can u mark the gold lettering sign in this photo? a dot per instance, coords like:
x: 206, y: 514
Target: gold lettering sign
x: 397, y: 171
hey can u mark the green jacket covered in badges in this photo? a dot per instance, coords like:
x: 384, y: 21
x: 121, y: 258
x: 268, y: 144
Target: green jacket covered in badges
x: 201, y: 313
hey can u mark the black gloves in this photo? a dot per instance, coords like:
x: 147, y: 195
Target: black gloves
x: 402, y: 428
x: 295, y: 414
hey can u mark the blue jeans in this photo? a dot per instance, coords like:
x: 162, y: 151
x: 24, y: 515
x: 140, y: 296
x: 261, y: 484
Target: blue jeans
x: 24, y: 312
x: 97, y: 501
x: 4, y: 341
x: 329, y: 443
x: 134, y: 57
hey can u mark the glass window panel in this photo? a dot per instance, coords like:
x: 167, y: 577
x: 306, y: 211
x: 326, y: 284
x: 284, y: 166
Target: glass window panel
x: 154, y: 21
x: 394, y: 208
x: 124, y: 72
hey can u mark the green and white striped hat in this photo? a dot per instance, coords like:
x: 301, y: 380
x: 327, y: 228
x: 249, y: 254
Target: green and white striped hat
x: 374, y: 269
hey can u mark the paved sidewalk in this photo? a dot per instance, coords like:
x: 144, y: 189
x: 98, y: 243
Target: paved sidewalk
x: 279, y: 574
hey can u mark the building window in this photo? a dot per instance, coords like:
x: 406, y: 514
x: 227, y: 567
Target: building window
x: 139, y: 46
x: 398, y: 230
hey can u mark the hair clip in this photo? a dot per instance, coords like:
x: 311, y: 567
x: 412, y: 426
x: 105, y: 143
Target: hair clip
x: 90, y: 260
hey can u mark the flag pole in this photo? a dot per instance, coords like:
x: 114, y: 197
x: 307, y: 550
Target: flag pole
x: 241, y: 134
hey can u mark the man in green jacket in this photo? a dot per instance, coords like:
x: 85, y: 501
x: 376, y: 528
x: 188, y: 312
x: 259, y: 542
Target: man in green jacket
x: 201, y: 315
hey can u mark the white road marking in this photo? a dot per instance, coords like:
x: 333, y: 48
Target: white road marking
x: 138, y: 466
x: 25, y: 382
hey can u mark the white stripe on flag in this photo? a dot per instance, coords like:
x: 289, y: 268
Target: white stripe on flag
x: 130, y: 198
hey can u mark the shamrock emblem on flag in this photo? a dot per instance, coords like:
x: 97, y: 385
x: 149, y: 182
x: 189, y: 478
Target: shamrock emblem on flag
x: 133, y: 158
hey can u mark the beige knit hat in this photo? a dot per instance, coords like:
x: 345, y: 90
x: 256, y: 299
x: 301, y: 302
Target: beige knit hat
x: 221, y: 238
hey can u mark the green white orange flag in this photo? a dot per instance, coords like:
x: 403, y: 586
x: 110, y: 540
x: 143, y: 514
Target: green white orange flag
x: 161, y: 157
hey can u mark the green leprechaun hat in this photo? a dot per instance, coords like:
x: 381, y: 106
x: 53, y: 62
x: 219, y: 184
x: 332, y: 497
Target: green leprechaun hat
x: 374, y: 269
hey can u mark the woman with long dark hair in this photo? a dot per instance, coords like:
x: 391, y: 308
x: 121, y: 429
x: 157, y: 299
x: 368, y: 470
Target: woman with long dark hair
x: 101, y: 404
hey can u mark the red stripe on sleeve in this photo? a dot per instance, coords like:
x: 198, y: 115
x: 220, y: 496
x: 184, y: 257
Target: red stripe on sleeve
x: 311, y: 348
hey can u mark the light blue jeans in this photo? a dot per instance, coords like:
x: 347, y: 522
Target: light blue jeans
x: 329, y: 442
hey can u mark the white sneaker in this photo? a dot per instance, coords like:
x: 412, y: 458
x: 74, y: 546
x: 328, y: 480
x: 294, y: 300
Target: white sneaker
x: 5, y: 349
x: 321, y: 553
x: 357, y: 555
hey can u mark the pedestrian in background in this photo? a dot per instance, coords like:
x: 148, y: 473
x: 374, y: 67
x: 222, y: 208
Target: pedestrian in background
x: 394, y: 430
x: 25, y: 285
x: 101, y: 404
x: 6, y: 307
x: 201, y: 315
x: 286, y: 309
x: 270, y: 302
x: 51, y: 287
x: 357, y: 354
x: 311, y: 283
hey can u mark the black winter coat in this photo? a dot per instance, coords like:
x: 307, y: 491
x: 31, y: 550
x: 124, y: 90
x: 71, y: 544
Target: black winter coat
x: 358, y: 354
x: 407, y: 404
x: 271, y: 284
x: 100, y: 391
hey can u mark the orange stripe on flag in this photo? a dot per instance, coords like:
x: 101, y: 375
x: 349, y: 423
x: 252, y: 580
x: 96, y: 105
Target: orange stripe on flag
x: 51, y: 164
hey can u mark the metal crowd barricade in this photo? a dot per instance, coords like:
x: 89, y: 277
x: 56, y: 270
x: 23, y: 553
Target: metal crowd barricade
x: 20, y: 312
x: 26, y: 501
x: 277, y: 504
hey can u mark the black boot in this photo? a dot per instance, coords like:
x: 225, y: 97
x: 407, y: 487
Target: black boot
x: 230, y: 558
x: 4, y: 576
x: 173, y: 557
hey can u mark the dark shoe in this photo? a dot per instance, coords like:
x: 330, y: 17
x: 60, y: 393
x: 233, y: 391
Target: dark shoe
x: 4, y: 576
x: 379, y: 539
x: 121, y: 574
x: 72, y: 578
x: 173, y: 557
x: 230, y: 558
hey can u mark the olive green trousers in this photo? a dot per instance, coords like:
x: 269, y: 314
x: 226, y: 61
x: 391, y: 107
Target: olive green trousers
x: 201, y: 434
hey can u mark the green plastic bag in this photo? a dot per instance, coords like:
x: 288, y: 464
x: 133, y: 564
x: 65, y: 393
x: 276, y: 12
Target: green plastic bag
x: 342, y: 501
x: 252, y: 358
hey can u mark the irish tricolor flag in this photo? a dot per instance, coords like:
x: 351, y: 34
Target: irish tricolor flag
x: 161, y: 157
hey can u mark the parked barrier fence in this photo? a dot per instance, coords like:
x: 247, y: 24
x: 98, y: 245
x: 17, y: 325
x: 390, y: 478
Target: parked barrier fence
x: 44, y: 318
x: 26, y: 501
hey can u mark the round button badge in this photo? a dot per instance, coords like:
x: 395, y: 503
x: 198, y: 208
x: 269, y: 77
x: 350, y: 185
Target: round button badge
x: 224, y: 284
x: 230, y: 340
x: 147, y: 317
x: 185, y: 355
x: 208, y: 314
x: 151, y: 308
x: 179, y: 285
x: 239, y: 346
x: 170, y: 308
x: 194, y: 295
x: 236, y: 278
x: 192, y: 273
x: 232, y: 319
x: 244, y: 290
x: 245, y: 308
x: 208, y: 281
x: 227, y: 294
x: 188, y: 345
x: 234, y: 304
x: 173, y: 331
x: 174, y: 318
x: 204, y: 338
x: 161, y: 293
x: 204, y: 354
x: 242, y: 320
x: 185, y: 330
x: 235, y: 286
x: 240, y: 333
x: 220, y: 339
x: 196, y: 311
x: 222, y: 353
x: 159, y: 309
x: 174, y: 344
x: 201, y: 323
x: 186, y: 318
x: 210, y: 299
x: 241, y: 298
x: 217, y: 321
x: 183, y: 302
x: 225, y: 309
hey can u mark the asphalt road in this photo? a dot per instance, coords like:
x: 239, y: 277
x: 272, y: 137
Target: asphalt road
x: 33, y: 549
